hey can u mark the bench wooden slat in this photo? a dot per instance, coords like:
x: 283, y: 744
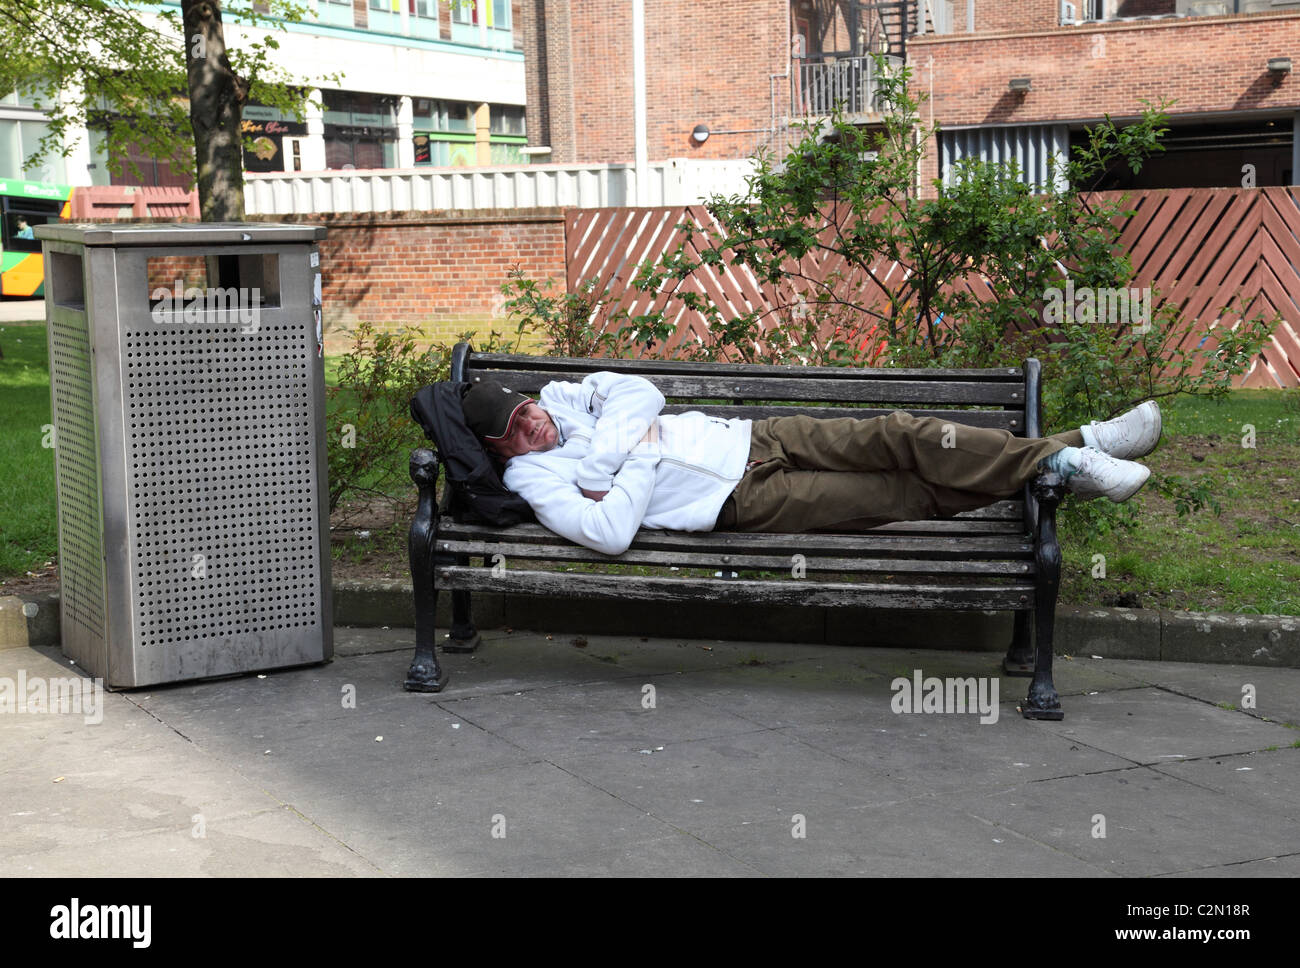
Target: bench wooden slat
x: 798, y: 388
x: 1012, y: 420
x: 951, y: 526
x: 737, y: 591
x: 732, y: 561
x: 1011, y: 546
x: 571, y: 365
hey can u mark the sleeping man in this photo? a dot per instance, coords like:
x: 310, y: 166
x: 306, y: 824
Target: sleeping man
x: 597, y: 460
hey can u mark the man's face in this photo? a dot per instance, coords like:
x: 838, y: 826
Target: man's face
x: 533, y: 430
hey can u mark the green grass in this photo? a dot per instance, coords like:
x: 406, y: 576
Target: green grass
x: 28, y: 524
x: 1247, y: 559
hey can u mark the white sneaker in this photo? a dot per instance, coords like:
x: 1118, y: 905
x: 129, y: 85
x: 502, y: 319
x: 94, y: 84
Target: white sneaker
x: 1101, y: 475
x: 1132, y: 434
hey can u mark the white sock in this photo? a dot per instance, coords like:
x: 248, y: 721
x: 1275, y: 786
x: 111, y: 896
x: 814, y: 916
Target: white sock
x: 1064, y: 462
x: 1088, y: 439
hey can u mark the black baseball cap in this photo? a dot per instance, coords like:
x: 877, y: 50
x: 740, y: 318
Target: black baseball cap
x: 490, y: 409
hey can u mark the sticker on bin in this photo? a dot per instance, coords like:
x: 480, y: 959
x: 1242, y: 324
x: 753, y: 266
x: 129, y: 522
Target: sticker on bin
x: 315, y: 289
x: 315, y: 259
x: 320, y: 336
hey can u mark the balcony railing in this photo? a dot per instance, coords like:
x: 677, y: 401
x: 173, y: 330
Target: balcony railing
x: 852, y: 83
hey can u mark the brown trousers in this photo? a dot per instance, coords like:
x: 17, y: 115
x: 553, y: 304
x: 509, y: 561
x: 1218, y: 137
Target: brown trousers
x: 847, y: 474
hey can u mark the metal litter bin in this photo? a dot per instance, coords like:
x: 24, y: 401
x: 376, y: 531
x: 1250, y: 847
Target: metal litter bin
x: 187, y: 390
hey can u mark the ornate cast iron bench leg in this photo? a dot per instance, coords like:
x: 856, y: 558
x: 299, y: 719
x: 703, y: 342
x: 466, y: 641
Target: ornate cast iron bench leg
x: 425, y: 675
x: 1042, y: 701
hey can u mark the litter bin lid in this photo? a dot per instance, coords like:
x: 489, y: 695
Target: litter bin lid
x: 178, y: 233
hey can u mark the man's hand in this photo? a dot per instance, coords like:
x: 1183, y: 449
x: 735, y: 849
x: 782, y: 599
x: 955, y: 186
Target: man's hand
x: 651, y: 436
x: 592, y: 495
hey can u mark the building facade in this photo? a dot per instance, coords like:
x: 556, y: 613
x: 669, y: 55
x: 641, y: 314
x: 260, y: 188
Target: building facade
x: 1004, y: 81
x: 422, y: 83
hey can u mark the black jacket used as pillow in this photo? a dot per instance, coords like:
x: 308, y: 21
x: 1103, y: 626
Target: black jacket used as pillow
x: 477, y: 494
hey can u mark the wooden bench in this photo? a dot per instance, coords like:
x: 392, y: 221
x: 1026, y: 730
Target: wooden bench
x: 1003, y: 556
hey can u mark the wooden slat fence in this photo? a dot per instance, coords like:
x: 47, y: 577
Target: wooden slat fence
x: 1202, y: 249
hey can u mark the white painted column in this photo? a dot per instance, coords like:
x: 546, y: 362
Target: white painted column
x: 80, y: 159
x: 405, y: 130
x: 482, y: 9
x: 313, y: 146
x: 642, y: 152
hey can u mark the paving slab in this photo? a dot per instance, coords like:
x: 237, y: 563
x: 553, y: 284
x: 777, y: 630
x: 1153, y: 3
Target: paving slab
x: 277, y: 841
x: 1154, y: 823
x: 729, y: 780
x: 608, y: 717
x: 532, y: 819
x: 778, y: 694
x: 1271, y: 777
x: 1275, y: 692
x: 1288, y: 866
x: 886, y: 840
x: 945, y: 754
x: 1153, y: 726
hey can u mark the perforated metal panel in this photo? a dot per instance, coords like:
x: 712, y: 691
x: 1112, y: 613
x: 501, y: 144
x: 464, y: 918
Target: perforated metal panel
x: 222, y: 481
x: 193, y: 503
x: 76, y: 470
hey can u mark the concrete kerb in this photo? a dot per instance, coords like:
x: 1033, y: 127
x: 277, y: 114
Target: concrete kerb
x: 1112, y: 633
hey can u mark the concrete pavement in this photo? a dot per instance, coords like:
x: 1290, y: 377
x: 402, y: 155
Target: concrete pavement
x: 616, y: 755
x: 22, y: 310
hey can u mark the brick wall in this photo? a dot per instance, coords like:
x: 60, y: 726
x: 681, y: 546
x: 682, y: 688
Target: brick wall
x: 440, y: 271
x: 163, y: 271
x: 1087, y: 72
x: 1083, y: 73
x: 706, y: 63
x: 360, y: 13
x: 1000, y: 16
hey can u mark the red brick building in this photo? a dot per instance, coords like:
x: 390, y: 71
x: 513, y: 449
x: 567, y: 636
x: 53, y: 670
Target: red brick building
x: 747, y: 69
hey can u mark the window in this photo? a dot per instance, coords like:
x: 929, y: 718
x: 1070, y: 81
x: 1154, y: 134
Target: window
x: 444, y: 132
x: 360, y: 129
x: 445, y: 151
x: 385, y: 16
x: 506, y: 119
x: 465, y: 22
x: 337, y: 12
x: 22, y: 99
x: 20, y: 217
x: 436, y: 115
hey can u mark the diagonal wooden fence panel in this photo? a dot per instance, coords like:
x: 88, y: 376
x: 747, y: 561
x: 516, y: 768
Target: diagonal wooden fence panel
x: 1219, y: 255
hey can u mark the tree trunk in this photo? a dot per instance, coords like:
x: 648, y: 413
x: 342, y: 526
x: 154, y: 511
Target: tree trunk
x: 217, y: 97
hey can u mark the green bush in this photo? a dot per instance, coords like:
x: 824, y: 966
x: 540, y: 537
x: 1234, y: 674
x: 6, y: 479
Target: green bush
x: 370, y: 432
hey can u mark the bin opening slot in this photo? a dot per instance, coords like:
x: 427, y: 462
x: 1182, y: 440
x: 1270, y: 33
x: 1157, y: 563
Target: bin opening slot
x: 198, y: 284
x: 67, y: 285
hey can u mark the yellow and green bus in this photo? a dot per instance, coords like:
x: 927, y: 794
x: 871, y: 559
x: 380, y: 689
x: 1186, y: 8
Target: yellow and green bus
x: 23, y: 206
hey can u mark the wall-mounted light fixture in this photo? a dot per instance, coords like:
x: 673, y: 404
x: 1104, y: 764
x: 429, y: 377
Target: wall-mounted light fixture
x: 700, y: 133
x: 1020, y: 85
x: 1279, y: 67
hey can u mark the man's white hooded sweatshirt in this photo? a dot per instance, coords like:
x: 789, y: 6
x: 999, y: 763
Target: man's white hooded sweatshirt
x: 678, y: 483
